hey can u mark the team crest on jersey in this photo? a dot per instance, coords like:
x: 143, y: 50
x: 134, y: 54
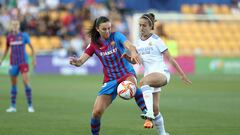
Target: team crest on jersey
x: 112, y: 43
x: 150, y: 43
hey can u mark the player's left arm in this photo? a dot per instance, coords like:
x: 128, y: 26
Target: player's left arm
x: 173, y: 62
x: 134, y: 57
x: 79, y: 61
x: 32, y: 49
x: 33, y: 54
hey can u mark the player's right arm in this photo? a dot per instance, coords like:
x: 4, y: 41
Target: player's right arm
x: 5, y: 52
x: 128, y: 58
x: 79, y: 61
x: 83, y: 58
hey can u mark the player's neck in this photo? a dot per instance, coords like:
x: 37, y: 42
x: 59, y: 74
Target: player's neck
x: 145, y: 37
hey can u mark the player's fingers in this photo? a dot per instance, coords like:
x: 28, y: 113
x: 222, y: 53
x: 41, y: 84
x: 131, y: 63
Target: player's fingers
x: 187, y: 81
x: 71, y: 62
x: 74, y: 59
x: 123, y: 55
x: 138, y: 60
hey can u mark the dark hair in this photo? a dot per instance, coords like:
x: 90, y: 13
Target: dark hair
x: 151, y: 19
x: 93, y: 33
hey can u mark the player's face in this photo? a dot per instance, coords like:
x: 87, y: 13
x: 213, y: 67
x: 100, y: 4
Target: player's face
x: 104, y: 30
x: 15, y: 25
x: 144, y: 27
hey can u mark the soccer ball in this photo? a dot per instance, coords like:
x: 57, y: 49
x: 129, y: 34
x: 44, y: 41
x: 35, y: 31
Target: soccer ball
x: 126, y: 90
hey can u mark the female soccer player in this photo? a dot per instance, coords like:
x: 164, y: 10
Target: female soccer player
x: 153, y: 51
x: 109, y: 48
x: 17, y: 41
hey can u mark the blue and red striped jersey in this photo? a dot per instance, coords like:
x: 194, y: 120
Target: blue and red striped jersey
x: 114, y: 67
x: 17, y: 44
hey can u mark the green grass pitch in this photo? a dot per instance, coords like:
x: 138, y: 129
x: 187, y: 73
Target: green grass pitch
x: 63, y: 104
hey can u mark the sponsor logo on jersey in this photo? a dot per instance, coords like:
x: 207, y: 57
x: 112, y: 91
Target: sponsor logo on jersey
x: 145, y: 50
x: 150, y: 43
x: 108, y: 52
x: 16, y: 42
x: 112, y: 43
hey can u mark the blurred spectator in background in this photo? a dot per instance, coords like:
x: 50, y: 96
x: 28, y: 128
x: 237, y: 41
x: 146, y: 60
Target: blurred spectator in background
x: 235, y: 7
x: 66, y: 21
x: 209, y: 9
x: 4, y: 20
x: 159, y: 29
x: 200, y: 9
x: 76, y: 46
x: 52, y: 4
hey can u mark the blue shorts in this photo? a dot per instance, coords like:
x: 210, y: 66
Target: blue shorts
x: 14, y: 69
x: 109, y: 88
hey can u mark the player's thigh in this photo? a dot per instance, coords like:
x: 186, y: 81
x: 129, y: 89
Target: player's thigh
x: 154, y: 80
x: 101, y: 103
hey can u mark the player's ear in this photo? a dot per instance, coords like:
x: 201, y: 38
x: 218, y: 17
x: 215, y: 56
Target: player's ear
x: 97, y: 28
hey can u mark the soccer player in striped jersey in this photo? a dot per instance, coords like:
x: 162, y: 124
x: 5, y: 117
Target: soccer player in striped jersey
x: 16, y: 42
x: 109, y: 48
x: 156, y: 74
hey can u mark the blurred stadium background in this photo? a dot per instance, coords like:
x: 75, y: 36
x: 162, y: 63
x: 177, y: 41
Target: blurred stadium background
x: 203, y: 36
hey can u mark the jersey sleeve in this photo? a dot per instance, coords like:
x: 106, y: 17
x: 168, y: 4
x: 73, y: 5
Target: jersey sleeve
x: 161, y: 45
x: 26, y: 38
x: 119, y: 37
x: 90, y: 50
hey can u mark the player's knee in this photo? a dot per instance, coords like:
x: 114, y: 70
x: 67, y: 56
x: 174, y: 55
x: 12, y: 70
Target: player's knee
x: 97, y: 113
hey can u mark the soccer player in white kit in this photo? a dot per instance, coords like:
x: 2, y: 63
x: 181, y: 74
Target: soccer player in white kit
x: 153, y: 51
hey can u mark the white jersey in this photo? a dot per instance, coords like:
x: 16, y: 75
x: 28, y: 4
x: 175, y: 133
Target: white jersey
x: 150, y: 51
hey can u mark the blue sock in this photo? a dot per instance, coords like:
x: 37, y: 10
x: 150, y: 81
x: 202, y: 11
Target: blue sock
x: 28, y: 92
x: 140, y: 101
x: 95, y: 126
x: 13, y: 95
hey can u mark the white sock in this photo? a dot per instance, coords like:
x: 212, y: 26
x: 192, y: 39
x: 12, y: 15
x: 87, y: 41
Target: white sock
x: 159, y: 124
x: 148, y: 97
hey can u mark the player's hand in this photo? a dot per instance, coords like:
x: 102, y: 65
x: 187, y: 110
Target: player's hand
x: 74, y: 61
x: 135, y: 57
x: 124, y: 55
x: 185, y: 79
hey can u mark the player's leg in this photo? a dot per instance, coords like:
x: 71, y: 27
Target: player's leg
x: 13, y: 72
x: 28, y: 91
x: 138, y: 96
x: 147, y: 83
x: 158, y: 121
x: 101, y: 104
